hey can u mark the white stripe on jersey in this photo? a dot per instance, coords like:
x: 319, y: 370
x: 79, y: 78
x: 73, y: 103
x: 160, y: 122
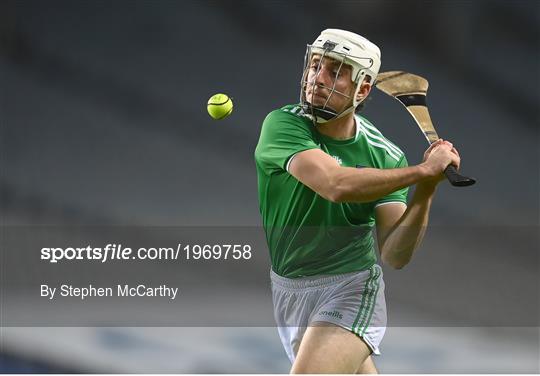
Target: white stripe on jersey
x: 371, y: 127
x: 391, y: 152
x: 381, y: 139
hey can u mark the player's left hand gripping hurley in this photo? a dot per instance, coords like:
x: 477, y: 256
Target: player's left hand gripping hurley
x: 411, y: 91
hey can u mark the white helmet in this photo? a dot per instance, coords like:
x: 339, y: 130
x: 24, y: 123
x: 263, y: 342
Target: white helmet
x: 348, y: 48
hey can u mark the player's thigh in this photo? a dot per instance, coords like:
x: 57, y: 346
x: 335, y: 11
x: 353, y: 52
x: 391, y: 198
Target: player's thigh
x: 328, y: 348
x: 368, y: 367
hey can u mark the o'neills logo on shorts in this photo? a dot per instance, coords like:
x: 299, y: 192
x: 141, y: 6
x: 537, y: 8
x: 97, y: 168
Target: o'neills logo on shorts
x: 335, y: 314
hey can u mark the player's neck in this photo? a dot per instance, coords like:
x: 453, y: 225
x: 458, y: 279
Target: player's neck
x: 340, y: 129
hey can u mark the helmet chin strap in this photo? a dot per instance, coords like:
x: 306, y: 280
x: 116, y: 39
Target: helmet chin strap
x: 322, y: 114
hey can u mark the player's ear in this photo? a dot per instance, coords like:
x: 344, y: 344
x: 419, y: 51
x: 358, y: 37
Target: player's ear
x: 365, y: 89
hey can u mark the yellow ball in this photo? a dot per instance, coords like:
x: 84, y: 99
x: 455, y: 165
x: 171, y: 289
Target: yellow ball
x: 219, y: 106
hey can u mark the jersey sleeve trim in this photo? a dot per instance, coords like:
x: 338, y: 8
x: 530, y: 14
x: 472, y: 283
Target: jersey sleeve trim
x: 289, y: 160
x: 283, y: 134
x: 390, y: 202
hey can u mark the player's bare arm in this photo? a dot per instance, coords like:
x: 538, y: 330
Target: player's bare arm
x: 324, y: 175
x: 400, y: 229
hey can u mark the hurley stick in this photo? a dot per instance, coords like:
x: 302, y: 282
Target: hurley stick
x: 411, y: 91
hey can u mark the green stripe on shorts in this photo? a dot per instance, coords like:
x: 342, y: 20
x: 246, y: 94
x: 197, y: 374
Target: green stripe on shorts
x: 369, y: 295
x: 374, y: 300
x: 363, y: 301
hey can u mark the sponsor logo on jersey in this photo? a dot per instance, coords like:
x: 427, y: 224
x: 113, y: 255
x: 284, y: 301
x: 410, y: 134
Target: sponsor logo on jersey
x: 338, y: 159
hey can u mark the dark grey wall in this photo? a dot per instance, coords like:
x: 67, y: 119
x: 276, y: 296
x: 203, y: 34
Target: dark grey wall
x: 104, y: 103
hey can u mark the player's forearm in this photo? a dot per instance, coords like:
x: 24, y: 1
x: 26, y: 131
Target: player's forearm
x: 404, y: 238
x: 369, y: 184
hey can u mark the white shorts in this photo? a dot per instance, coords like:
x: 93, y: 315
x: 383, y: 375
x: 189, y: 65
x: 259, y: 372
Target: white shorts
x: 355, y: 301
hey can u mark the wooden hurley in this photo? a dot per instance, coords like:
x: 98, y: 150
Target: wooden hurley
x: 411, y: 91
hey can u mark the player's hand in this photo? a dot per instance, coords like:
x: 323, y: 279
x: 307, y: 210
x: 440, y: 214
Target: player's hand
x: 437, y: 157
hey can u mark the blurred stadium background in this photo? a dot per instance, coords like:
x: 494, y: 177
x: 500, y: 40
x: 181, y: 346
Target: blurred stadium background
x: 103, y: 121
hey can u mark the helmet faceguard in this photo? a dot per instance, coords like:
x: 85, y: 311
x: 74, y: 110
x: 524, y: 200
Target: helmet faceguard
x: 347, y: 49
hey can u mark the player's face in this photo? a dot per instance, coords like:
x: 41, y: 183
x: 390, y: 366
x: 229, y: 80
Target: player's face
x: 324, y: 75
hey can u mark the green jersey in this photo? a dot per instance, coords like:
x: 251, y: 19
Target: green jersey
x: 307, y: 234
